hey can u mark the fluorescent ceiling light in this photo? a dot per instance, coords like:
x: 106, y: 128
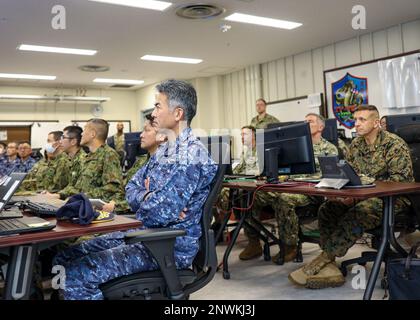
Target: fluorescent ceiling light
x: 144, y: 4
x: 119, y: 81
x: 29, y: 47
x: 76, y: 98
x: 53, y: 98
x: 26, y: 76
x: 269, y: 22
x: 20, y: 96
x: 170, y: 59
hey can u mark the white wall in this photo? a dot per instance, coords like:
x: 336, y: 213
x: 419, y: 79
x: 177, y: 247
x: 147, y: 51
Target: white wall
x: 122, y: 106
x: 302, y: 74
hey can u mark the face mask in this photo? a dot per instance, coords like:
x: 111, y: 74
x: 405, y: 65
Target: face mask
x: 49, y: 148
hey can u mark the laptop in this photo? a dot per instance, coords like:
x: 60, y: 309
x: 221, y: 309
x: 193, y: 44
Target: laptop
x: 8, y: 186
x: 14, y: 222
x: 24, y: 225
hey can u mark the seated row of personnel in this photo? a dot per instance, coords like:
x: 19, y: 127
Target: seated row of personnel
x: 16, y: 157
x: 284, y: 204
x: 376, y: 154
x: 68, y: 169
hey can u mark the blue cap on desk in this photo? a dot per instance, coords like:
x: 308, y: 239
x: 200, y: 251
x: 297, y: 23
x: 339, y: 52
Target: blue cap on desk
x: 79, y: 209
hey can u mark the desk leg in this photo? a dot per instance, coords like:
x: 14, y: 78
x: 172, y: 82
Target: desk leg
x: 19, y: 272
x: 226, y: 274
x: 388, y: 210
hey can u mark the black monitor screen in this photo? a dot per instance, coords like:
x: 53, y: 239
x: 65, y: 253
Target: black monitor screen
x: 132, y: 147
x: 286, y: 150
x: 394, y: 122
x: 330, y: 132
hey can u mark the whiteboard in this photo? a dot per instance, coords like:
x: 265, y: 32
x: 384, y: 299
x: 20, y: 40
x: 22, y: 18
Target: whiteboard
x: 292, y: 109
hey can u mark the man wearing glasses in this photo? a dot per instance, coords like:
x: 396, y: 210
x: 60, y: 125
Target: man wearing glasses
x: 10, y: 162
x: 70, y: 142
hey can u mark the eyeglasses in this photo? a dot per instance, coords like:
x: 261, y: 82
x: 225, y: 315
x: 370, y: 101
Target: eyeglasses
x: 64, y: 137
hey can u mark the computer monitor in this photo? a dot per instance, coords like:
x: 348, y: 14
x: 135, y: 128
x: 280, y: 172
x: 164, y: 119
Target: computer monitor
x: 286, y: 151
x: 281, y: 124
x: 394, y: 122
x: 213, y: 145
x: 133, y: 148
x: 330, y: 132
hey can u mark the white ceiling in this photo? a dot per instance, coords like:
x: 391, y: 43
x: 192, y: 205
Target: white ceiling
x: 123, y: 34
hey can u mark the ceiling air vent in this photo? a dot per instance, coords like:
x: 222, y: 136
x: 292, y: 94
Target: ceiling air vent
x: 199, y: 11
x: 93, y: 68
x: 125, y: 86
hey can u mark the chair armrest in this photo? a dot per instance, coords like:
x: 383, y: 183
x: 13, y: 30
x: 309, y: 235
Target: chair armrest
x: 153, y: 235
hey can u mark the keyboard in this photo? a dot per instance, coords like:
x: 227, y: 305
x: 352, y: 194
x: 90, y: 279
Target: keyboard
x: 40, y: 208
x: 23, y: 225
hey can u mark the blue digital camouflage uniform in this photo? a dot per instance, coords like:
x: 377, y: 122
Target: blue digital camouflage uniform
x: 180, y: 175
x: 8, y: 166
x: 26, y: 166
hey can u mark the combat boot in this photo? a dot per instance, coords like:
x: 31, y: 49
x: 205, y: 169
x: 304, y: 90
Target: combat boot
x: 329, y: 277
x: 289, y: 254
x: 300, y: 276
x: 252, y: 250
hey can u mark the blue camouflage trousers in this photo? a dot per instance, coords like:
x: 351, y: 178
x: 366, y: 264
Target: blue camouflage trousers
x: 99, y: 260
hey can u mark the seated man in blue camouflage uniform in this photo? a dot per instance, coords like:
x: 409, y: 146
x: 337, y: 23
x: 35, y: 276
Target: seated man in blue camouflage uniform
x: 10, y: 162
x: 26, y: 160
x: 169, y: 191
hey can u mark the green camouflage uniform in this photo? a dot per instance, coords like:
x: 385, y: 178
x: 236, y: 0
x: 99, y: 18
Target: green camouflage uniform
x: 76, y: 164
x: 101, y: 177
x: 388, y: 159
x: 140, y: 162
x: 34, y: 180
x: 343, y: 148
x: 57, y: 174
x: 264, y: 122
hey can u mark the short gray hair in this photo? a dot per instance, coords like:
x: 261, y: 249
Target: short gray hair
x: 319, y: 117
x: 180, y: 94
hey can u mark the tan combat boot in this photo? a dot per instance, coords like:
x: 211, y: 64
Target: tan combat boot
x: 252, y: 250
x: 289, y: 254
x: 300, y: 276
x: 329, y: 277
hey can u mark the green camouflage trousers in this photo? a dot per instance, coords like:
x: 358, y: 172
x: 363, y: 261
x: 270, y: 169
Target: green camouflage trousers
x: 287, y: 219
x: 341, y: 225
x: 284, y: 205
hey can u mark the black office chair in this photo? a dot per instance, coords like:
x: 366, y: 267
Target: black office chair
x: 405, y: 223
x: 169, y: 283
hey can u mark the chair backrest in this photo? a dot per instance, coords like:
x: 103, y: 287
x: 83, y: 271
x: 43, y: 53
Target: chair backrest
x: 411, y: 135
x: 202, y: 257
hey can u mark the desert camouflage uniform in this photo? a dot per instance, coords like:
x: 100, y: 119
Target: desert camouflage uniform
x: 175, y: 184
x: 388, y: 159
